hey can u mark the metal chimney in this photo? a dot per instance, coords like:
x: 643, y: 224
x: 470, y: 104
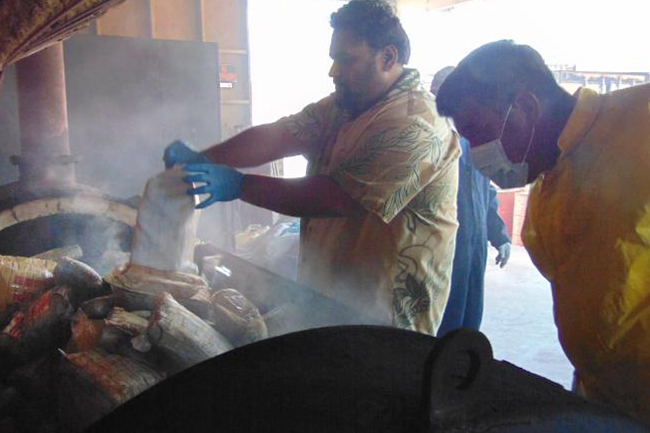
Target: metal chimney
x: 45, y: 161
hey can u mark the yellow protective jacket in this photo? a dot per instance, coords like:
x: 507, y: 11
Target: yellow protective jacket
x: 587, y: 229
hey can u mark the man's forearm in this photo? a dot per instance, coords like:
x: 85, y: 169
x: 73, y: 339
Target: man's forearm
x: 255, y: 146
x: 312, y: 196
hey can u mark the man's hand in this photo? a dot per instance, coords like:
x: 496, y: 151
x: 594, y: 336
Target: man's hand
x: 221, y: 182
x: 504, y: 254
x: 180, y: 153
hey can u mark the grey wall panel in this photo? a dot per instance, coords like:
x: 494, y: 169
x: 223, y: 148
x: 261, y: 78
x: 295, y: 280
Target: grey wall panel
x: 9, y: 126
x: 128, y: 98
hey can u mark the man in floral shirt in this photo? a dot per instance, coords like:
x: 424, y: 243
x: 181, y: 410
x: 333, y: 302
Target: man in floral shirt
x: 379, y: 199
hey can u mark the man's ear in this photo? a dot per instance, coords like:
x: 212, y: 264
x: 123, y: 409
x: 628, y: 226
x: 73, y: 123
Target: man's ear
x: 530, y: 105
x: 389, y: 57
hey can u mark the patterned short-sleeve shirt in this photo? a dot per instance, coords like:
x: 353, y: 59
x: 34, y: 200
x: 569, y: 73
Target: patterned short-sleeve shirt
x: 399, y: 161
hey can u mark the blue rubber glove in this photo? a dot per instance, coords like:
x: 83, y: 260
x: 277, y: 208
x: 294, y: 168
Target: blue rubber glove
x: 221, y: 182
x: 504, y: 254
x: 180, y: 153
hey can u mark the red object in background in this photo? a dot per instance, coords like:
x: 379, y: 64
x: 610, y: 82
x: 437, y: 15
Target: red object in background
x: 518, y: 215
x: 506, y: 208
x: 228, y: 74
x: 512, y: 210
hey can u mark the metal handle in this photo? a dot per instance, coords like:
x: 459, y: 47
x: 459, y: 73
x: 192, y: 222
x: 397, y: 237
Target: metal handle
x: 455, y: 375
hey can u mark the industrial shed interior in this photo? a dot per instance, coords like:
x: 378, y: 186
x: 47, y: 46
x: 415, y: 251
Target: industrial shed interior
x: 95, y: 338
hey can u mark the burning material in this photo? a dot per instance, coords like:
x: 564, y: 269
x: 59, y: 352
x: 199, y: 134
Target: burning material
x: 23, y: 279
x: 99, y: 308
x: 138, y: 288
x: 86, y: 333
x: 37, y: 328
x: 106, y: 339
x: 182, y: 335
x: 73, y: 252
x: 73, y: 273
x: 51, y: 309
x: 130, y: 323
x: 140, y: 279
x: 237, y: 317
x: 93, y: 383
x: 117, y: 341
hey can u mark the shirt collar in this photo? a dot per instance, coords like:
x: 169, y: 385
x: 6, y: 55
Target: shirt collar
x: 409, y: 80
x: 582, y: 117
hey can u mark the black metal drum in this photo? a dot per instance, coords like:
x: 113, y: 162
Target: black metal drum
x: 360, y: 379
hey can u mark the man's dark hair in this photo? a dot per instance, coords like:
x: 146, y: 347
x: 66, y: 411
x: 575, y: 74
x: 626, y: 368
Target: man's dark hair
x: 375, y: 22
x: 493, y: 74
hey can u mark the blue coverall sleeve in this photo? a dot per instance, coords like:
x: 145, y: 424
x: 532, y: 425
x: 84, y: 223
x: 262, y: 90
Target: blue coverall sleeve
x: 496, y: 229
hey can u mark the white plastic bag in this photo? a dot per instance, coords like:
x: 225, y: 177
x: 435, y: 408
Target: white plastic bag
x: 165, y: 231
x: 275, y: 249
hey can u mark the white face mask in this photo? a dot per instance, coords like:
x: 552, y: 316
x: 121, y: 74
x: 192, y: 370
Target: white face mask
x: 491, y: 160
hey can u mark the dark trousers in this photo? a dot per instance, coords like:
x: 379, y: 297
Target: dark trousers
x: 465, y: 305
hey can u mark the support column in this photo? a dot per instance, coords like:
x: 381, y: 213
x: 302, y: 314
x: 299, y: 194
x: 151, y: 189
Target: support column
x: 45, y: 160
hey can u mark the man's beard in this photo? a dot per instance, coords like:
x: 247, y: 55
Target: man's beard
x: 345, y: 99
x: 354, y: 102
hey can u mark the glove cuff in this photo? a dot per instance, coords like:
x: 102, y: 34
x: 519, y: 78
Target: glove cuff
x: 238, y: 179
x: 201, y: 158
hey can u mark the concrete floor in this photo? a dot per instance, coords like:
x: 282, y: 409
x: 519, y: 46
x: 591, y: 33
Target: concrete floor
x: 518, y: 318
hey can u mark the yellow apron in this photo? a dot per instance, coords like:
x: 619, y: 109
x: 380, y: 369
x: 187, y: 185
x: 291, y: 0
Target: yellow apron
x: 587, y: 229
